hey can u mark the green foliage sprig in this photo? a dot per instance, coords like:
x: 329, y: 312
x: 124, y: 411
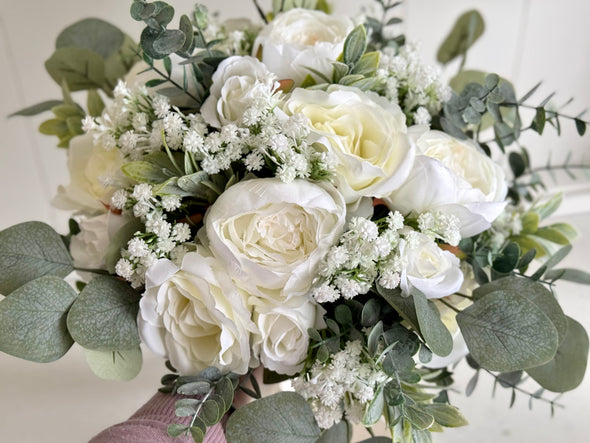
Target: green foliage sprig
x: 378, y: 30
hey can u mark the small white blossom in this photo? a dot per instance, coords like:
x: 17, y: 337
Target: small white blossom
x: 142, y: 192
x: 181, y: 232
x: 171, y: 202
x: 124, y: 268
x: 161, y: 106
x: 326, y: 293
x: 119, y: 199
x: 137, y: 247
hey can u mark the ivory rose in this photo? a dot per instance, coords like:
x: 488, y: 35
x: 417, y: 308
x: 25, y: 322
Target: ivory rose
x: 436, y: 273
x: 366, y: 134
x: 237, y: 82
x: 302, y: 38
x: 272, y: 235
x: 195, y: 316
x: 455, y: 177
x: 95, y: 173
x: 283, y: 339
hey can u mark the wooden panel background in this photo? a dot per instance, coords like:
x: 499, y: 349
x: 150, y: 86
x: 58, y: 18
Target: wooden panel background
x: 525, y: 41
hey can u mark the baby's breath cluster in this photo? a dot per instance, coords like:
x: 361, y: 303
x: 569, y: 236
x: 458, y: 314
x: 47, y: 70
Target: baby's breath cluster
x: 372, y: 252
x: 342, y: 385
x: 417, y: 87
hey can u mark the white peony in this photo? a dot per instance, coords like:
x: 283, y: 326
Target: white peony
x: 95, y: 174
x: 366, y: 134
x: 195, y: 316
x: 428, y: 268
x: 237, y: 82
x: 455, y: 177
x: 302, y: 38
x: 272, y: 235
x: 89, y: 247
x: 283, y: 339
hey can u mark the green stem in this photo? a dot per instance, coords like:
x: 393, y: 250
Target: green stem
x: 169, y: 153
x: 94, y: 271
x: 555, y: 113
x: 168, y: 78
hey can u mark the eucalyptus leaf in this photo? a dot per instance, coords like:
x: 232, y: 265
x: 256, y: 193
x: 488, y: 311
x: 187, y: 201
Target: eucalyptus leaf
x: 336, y: 434
x: 80, y: 68
x: 285, y: 416
x: 104, y: 317
x: 419, y: 418
x: 374, y: 411
x: 115, y: 365
x: 403, y: 305
x: 169, y: 41
x: 93, y: 34
x: 33, y: 320
x: 94, y: 103
x: 507, y: 332
x: 533, y: 291
x: 30, y: 250
x: 146, y: 172
x: 573, y: 275
x: 566, y: 370
x: 435, y: 333
x: 466, y: 30
x: 37, y: 109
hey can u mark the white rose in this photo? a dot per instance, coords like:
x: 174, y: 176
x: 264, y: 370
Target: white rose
x: 195, y: 316
x: 237, y: 82
x: 283, y: 339
x: 89, y: 246
x: 272, y: 235
x: 366, y: 134
x: 428, y: 268
x: 141, y: 73
x: 302, y: 38
x: 453, y: 176
x: 92, y: 171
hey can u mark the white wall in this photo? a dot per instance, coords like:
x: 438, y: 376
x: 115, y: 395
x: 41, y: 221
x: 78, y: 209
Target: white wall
x: 526, y: 41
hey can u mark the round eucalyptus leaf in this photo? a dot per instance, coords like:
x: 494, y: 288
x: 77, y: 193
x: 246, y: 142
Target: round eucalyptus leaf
x: 80, y: 68
x: 566, y: 370
x: 285, y: 416
x: 94, y: 34
x: 104, y: 317
x: 169, y: 41
x: 115, y: 365
x: 28, y: 251
x: 33, y: 320
x: 507, y: 332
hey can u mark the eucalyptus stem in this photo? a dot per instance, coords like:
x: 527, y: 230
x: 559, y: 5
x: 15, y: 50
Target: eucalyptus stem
x: 169, y: 153
x: 260, y: 12
x: 168, y: 78
x: 555, y: 113
x: 94, y: 271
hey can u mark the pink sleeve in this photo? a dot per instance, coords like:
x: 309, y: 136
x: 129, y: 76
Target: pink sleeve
x: 149, y: 424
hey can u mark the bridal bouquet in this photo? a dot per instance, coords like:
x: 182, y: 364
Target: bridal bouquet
x: 301, y: 194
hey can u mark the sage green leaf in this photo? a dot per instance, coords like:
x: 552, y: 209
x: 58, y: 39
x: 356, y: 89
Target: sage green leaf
x: 573, y: 275
x: 104, y: 317
x: 403, y: 305
x: 533, y: 291
x: 374, y: 411
x: 33, y: 320
x: 195, y: 388
x: 517, y: 164
x: 54, y: 126
x: 119, y: 241
x: 507, y: 332
x: 419, y: 418
x: 446, y: 415
x: 169, y: 41
x: 558, y: 256
x: 285, y: 416
x: 80, y: 68
x: 355, y: 45
x: 553, y: 235
x: 336, y: 434
x: 94, y: 103
x: 549, y: 207
x: 192, y: 183
x: 435, y: 333
x: 367, y: 65
x: 30, y: 250
x: 119, y: 63
x: 225, y: 390
x: 148, y: 37
x: 377, y: 440
x: 37, y: 109
x: 93, y: 34
x: 508, y: 258
x: 186, y: 28
x: 146, y: 172
x: 466, y: 30
x: 115, y: 365
x: 566, y: 370
x: 211, y: 413
x: 176, y: 429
